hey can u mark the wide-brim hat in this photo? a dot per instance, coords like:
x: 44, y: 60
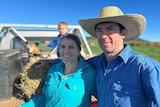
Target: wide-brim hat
x: 134, y: 23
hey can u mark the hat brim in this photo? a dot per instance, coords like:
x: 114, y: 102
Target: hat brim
x: 134, y: 23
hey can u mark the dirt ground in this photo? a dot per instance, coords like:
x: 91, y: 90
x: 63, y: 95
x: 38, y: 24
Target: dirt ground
x: 12, y: 102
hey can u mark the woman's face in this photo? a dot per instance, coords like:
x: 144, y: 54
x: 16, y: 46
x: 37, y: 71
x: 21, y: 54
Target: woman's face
x: 69, y: 51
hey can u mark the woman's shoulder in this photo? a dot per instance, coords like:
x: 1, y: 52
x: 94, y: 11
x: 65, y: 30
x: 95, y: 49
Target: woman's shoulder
x: 55, y: 67
x: 86, y: 67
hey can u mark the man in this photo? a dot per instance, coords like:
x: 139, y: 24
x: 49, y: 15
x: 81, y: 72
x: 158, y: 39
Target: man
x: 63, y: 30
x: 125, y: 78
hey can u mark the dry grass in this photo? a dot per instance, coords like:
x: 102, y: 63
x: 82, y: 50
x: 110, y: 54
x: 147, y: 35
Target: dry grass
x: 30, y: 81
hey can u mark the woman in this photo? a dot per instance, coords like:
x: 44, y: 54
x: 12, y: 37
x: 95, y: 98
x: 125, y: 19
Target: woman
x: 69, y: 83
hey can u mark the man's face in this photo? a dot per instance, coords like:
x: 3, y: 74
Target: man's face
x: 109, y: 37
x: 63, y: 29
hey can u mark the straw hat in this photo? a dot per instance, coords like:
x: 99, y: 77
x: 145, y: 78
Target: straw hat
x: 134, y: 23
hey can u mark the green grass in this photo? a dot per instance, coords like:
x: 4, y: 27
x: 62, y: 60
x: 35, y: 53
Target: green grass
x: 151, y: 51
x: 96, y: 50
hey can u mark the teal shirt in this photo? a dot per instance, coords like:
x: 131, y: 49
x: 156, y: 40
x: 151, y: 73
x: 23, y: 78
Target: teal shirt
x: 71, y: 91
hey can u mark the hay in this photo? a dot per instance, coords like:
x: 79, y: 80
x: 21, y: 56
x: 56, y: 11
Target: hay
x: 31, y: 79
x: 30, y: 82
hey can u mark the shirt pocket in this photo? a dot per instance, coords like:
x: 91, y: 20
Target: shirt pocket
x: 124, y: 94
x: 50, y: 85
x: 77, y: 86
x: 75, y: 91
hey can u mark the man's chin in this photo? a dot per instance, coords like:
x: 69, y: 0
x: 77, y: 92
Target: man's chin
x: 107, y: 51
x: 66, y: 62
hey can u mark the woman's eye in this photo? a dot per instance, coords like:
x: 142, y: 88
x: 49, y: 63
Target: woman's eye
x: 70, y: 47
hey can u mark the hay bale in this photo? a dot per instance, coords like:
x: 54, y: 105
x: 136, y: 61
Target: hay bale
x: 31, y: 79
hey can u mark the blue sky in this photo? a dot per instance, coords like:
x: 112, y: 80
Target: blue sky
x: 53, y: 11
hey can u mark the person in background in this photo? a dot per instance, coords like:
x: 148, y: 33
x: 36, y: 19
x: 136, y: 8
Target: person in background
x: 63, y: 30
x: 70, y: 83
x: 125, y: 78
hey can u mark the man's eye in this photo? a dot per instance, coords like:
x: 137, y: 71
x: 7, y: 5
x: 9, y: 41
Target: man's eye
x: 62, y: 46
x: 98, y: 30
x: 110, y: 29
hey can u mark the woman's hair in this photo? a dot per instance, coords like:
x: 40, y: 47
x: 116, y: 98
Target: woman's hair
x: 74, y: 38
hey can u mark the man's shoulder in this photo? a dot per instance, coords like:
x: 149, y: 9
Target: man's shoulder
x: 96, y: 59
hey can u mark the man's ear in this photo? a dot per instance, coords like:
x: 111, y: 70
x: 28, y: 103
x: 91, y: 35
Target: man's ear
x: 124, y: 33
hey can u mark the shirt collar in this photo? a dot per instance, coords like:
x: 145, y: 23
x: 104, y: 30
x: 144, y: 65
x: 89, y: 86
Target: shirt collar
x: 82, y: 65
x: 125, y: 53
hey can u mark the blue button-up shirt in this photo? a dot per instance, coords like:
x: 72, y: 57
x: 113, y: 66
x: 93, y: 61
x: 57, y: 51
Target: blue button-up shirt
x: 55, y: 43
x: 130, y: 79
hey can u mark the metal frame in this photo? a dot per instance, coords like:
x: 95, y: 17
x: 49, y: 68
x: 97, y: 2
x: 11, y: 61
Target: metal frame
x: 25, y: 30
